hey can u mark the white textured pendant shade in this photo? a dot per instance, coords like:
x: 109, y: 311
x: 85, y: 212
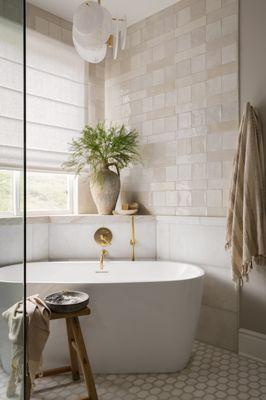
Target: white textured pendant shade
x: 93, y: 55
x: 92, y: 27
x: 88, y: 17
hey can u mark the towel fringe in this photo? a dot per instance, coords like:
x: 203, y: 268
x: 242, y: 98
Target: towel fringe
x: 258, y: 260
x: 228, y: 245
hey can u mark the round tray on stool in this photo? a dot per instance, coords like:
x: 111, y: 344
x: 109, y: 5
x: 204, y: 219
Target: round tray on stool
x: 67, y: 301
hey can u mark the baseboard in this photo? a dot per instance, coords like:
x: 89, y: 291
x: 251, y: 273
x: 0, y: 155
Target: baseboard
x: 252, y: 344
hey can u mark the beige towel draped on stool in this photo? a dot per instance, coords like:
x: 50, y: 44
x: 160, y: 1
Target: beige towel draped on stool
x: 246, y: 218
x: 38, y: 318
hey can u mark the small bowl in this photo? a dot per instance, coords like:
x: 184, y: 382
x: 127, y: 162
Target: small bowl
x: 67, y: 301
x: 126, y: 212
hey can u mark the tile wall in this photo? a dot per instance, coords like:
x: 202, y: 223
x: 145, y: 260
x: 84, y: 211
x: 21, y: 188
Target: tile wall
x: 177, y: 83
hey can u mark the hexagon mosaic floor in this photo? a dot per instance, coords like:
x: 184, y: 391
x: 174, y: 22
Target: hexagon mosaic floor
x: 212, y: 374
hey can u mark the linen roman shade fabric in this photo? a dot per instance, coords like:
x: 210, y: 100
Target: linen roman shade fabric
x: 246, y: 219
x: 57, y: 98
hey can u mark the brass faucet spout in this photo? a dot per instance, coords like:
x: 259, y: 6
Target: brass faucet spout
x: 103, y: 254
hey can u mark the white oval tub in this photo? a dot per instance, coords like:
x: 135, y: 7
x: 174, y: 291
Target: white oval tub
x: 144, y: 313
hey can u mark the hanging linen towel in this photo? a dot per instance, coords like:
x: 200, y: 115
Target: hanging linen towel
x: 14, y: 318
x: 246, y: 217
x: 38, y: 318
x: 38, y: 321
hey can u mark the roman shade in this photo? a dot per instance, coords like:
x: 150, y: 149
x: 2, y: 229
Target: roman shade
x: 57, y: 98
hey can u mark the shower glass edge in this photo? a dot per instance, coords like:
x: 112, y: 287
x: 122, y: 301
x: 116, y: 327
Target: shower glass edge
x: 12, y: 187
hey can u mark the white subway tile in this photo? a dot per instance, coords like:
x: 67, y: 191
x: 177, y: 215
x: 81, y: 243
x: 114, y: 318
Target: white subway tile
x: 184, y: 172
x: 198, y: 198
x: 213, y: 58
x: 214, y: 86
x: 214, y: 198
x: 198, y: 118
x: 171, y: 173
x: 184, y: 42
x: 184, y: 198
x: 214, y: 170
x: 158, y: 101
x: 198, y: 171
x: 170, y: 123
x: 229, y: 24
x: 229, y: 53
x: 147, y: 128
x: 213, y: 31
x: 184, y: 120
x: 147, y: 104
x: 184, y: 94
x: 212, y: 5
x: 183, y: 16
x: 171, y: 198
x: 198, y: 36
x: 198, y: 91
x: 213, y: 114
x: 183, y: 147
x: 159, y: 198
x: 183, y: 68
x: 158, y: 77
x: 229, y: 111
x: 198, y: 144
x: 198, y: 63
x: 229, y: 82
x: 158, y: 52
x: 157, y: 125
x: 135, y: 38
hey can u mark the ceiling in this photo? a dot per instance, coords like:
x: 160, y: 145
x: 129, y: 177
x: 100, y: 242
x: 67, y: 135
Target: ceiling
x: 136, y: 10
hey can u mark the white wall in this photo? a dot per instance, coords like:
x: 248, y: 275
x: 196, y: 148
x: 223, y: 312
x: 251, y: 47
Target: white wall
x: 253, y: 89
x: 72, y: 237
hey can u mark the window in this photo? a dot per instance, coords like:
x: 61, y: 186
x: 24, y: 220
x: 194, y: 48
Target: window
x: 47, y: 193
x: 6, y: 192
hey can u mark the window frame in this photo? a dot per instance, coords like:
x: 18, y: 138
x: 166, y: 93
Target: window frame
x: 16, y: 212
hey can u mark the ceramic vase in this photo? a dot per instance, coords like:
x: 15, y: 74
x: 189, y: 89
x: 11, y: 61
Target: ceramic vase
x: 105, y: 191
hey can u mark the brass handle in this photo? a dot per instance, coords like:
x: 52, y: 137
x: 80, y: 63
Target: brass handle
x: 103, y: 237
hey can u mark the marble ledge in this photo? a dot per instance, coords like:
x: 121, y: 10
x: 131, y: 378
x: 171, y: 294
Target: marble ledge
x: 75, y: 219
x: 107, y: 219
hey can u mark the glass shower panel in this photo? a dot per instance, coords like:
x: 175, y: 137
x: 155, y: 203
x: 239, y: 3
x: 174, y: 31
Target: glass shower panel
x: 12, y: 232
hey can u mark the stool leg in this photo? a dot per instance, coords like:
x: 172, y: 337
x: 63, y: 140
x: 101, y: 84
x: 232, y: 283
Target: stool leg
x: 72, y: 352
x: 83, y: 357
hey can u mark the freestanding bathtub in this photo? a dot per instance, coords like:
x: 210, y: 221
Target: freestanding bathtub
x: 144, y: 313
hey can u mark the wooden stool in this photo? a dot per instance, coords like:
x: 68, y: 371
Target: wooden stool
x: 77, y: 352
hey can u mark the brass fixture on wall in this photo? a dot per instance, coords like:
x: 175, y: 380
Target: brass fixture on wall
x: 132, y: 238
x: 103, y: 237
x: 110, y: 41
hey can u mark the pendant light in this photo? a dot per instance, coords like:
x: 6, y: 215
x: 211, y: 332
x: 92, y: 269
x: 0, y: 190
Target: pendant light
x: 94, y: 30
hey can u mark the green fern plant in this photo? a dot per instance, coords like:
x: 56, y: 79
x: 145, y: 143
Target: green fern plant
x: 102, y: 147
